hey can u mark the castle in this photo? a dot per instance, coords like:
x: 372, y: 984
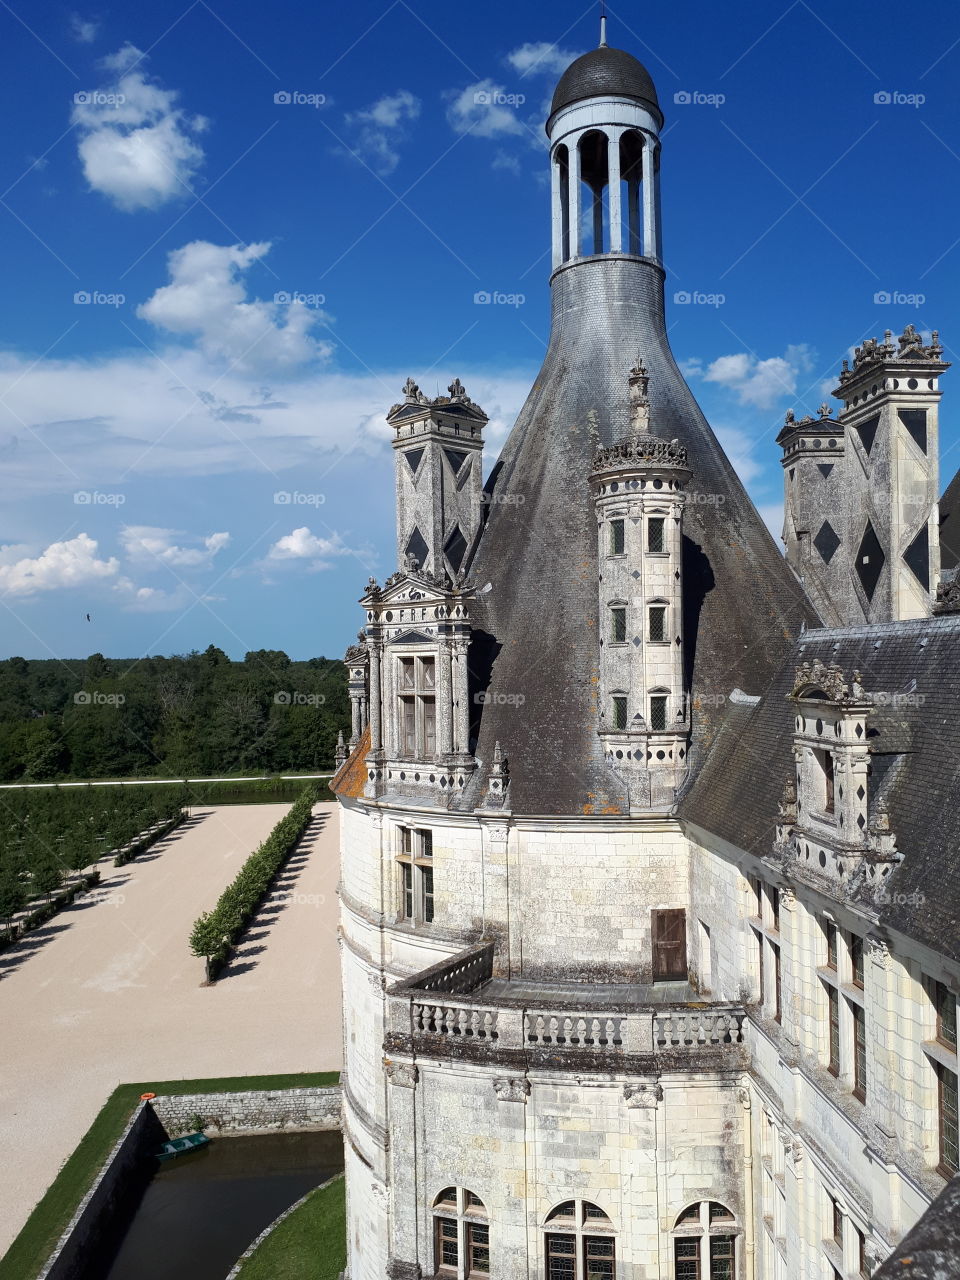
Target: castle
x: 649, y: 934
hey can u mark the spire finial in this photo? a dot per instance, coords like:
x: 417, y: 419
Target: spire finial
x: 603, y: 25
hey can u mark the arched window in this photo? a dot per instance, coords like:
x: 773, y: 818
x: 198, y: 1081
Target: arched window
x: 631, y: 176
x: 561, y: 158
x: 579, y: 1243
x: 705, y: 1242
x: 595, y: 177
x: 461, y: 1234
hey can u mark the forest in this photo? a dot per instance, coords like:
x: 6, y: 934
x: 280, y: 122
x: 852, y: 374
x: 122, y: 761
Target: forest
x: 188, y: 715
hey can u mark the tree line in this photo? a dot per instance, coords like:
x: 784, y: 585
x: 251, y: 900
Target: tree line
x: 196, y: 713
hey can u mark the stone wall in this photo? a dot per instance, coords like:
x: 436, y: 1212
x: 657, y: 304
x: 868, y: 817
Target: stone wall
x: 110, y: 1197
x: 254, y: 1111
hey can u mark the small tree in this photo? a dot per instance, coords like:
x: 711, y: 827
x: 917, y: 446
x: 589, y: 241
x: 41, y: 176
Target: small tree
x: 12, y: 895
x: 47, y: 873
x: 206, y: 941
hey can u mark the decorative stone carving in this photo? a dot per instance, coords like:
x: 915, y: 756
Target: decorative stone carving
x: 743, y: 1097
x: 377, y: 982
x: 818, y: 675
x: 948, y: 596
x: 642, y: 1096
x: 879, y: 951
x: 405, y: 1074
x: 512, y: 1089
x: 380, y: 1194
x: 642, y: 448
x: 497, y: 833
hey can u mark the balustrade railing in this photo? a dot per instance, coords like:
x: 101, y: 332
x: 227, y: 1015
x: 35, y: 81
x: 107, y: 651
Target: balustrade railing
x: 688, y: 1028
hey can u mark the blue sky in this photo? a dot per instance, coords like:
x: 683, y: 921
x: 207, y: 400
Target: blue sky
x: 176, y: 172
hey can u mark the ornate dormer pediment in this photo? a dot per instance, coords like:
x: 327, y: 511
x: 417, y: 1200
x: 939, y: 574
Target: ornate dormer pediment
x: 412, y: 637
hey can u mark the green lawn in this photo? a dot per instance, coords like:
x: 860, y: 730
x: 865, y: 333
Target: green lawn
x: 26, y: 1256
x: 309, y: 1245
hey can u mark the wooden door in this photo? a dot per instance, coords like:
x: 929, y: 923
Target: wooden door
x: 669, y: 933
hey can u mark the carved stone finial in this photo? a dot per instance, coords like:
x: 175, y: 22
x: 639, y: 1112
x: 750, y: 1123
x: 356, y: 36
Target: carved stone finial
x: 639, y: 403
x: 410, y: 391
x: 340, y: 755
x: 825, y: 410
x: 790, y: 418
x: 373, y: 590
x: 457, y: 390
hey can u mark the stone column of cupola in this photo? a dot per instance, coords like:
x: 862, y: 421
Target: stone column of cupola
x: 445, y: 697
x: 643, y: 717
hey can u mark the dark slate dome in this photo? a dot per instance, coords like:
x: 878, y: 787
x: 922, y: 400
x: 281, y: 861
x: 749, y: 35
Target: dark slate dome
x: 605, y: 71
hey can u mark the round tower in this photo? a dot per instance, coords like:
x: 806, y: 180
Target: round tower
x: 643, y: 720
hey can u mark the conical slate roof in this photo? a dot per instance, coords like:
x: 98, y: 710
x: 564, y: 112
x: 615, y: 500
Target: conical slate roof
x: 535, y: 652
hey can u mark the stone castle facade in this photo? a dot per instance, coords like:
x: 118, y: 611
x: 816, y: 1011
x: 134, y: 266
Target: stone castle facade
x: 649, y: 930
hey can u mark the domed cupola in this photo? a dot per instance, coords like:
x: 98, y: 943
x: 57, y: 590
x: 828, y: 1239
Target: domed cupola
x: 604, y: 131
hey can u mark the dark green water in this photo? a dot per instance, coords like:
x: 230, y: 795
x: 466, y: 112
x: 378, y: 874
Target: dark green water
x: 200, y: 1211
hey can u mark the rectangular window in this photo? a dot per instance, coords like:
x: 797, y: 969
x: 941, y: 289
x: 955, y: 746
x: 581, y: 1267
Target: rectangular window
x: 862, y: 1268
x: 856, y: 960
x: 686, y: 1257
x: 561, y: 1257
x: 721, y: 1257
x: 478, y: 1249
x: 778, y: 1005
x: 427, y: 673
x: 598, y: 1258
x: 618, y: 625
x: 658, y: 623
x: 837, y: 1222
x: 406, y: 841
x: 833, y: 1002
x: 945, y: 1003
x: 949, y: 1138
x: 406, y: 886
x: 830, y: 929
x: 426, y: 844
x: 406, y: 673
x: 828, y: 803
x: 759, y: 938
x: 426, y: 889
x: 617, y: 539
x: 668, y: 930
x: 448, y: 1251
x: 655, y: 534
x: 429, y: 726
x: 859, y: 1052
x: 619, y: 711
x: 775, y: 906
x: 658, y: 712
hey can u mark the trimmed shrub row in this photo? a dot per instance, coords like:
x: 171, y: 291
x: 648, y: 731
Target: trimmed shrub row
x: 215, y: 932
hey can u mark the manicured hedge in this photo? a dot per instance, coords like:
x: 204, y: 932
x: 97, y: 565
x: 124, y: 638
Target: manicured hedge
x: 215, y: 932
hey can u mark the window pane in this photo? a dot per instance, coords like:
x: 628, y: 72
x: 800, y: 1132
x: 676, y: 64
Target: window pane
x: 406, y: 841
x: 778, y: 1006
x: 473, y: 1201
x: 856, y: 959
x: 427, y: 668
x: 658, y: 622
x: 833, y: 1001
x: 831, y: 930
x: 406, y: 906
x: 598, y: 1258
x: 478, y: 1243
x: 565, y: 1210
x: 618, y: 625
x: 426, y: 884
x: 448, y: 1251
x: 690, y: 1214
x: 686, y: 1255
x: 408, y: 727
x: 594, y: 1211
x: 949, y: 1144
x: 619, y: 712
x: 561, y: 1257
x: 429, y: 726
x: 426, y: 847
x: 719, y: 1212
x: 655, y: 541
x: 859, y: 1052
x: 828, y: 781
x: 775, y: 906
x: 406, y: 673
x: 616, y: 538
x: 721, y: 1258
x: 946, y: 1015
x: 658, y: 712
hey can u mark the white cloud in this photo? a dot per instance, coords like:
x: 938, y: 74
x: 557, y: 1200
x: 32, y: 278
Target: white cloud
x: 379, y: 129
x: 83, y: 30
x: 772, y: 515
x: 301, y: 544
x: 756, y: 382
x: 147, y: 544
x: 541, y: 58
x: 135, y: 145
x: 739, y: 448
x: 207, y: 299
x: 484, y: 110
x: 73, y: 563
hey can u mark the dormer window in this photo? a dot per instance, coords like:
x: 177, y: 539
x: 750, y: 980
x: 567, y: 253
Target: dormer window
x: 418, y: 708
x: 824, y: 760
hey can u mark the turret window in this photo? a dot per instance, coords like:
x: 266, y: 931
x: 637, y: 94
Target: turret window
x: 580, y: 1244
x: 658, y: 712
x: 461, y: 1234
x: 415, y: 862
x: 617, y: 538
x: 657, y: 630
x: 619, y: 711
x: 699, y: 1251
x: 618, y: 624
x: 656, y: 534
x: 418, y: 708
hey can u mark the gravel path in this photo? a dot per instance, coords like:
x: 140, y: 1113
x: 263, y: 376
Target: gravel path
x: 108, y: 992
